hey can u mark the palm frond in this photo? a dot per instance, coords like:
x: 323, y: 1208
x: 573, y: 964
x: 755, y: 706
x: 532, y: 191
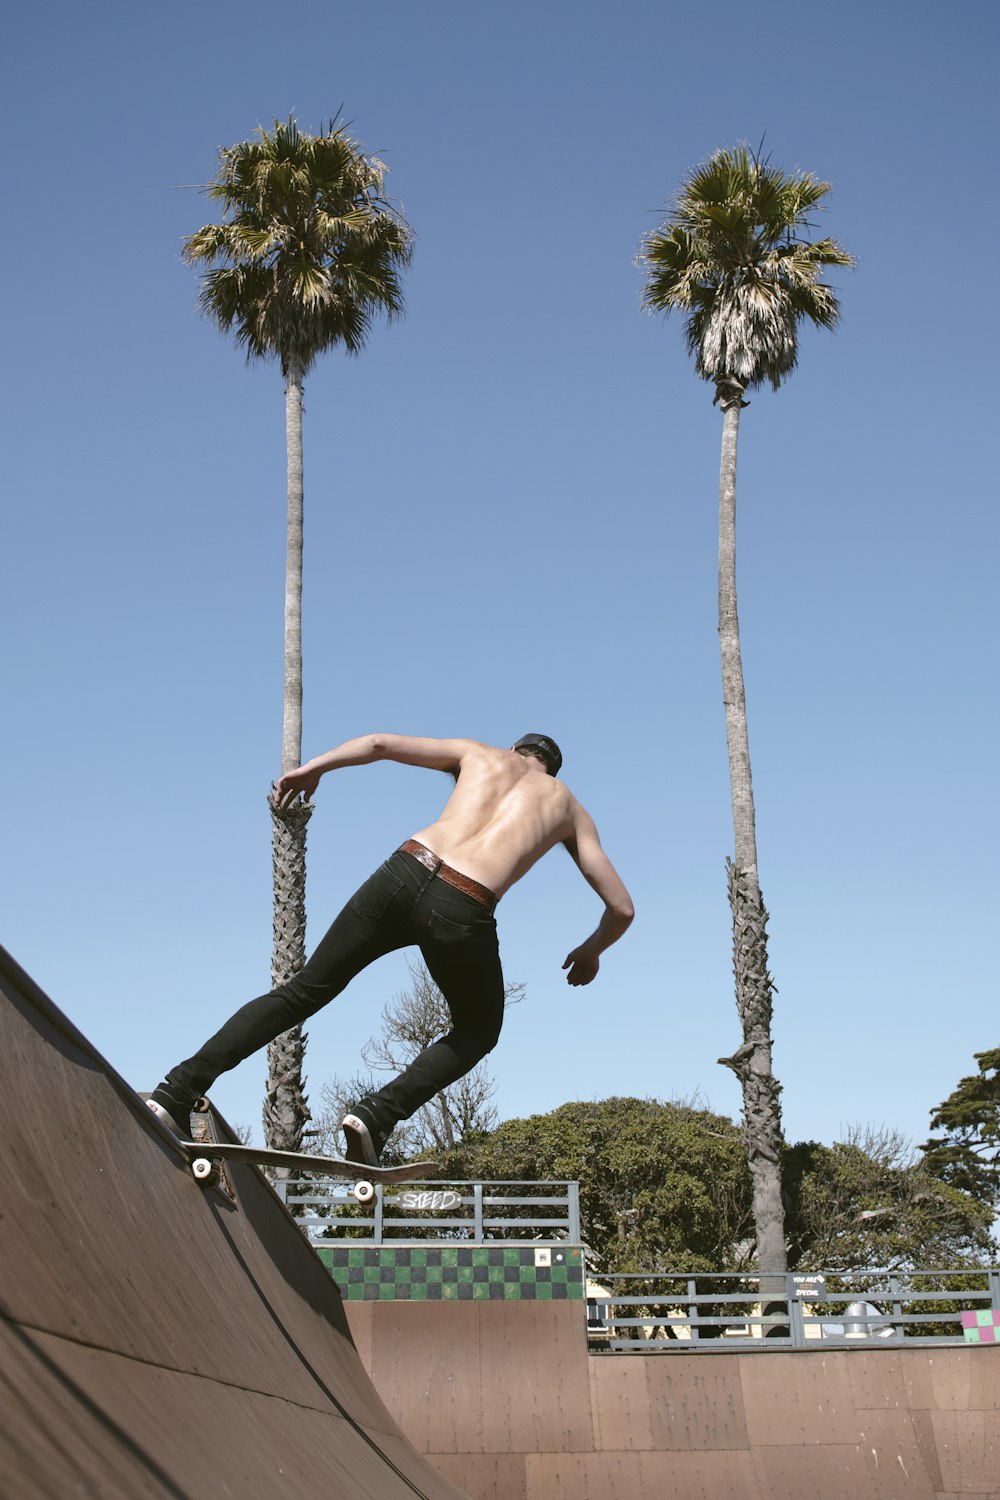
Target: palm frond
x: 207, y: 243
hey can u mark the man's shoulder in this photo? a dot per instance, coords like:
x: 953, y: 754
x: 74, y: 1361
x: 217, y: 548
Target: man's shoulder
x: 482, y: 749
x: 577, y: 816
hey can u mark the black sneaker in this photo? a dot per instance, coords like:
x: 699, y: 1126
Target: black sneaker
x: 174, y: 1111
x: 363, y: 1136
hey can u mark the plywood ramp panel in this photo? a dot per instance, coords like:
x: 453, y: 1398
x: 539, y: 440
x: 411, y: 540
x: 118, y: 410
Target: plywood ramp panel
x: 833, y: 1472
x: 968, y: 1447
x: 484, y: 1476
x: 984, y: 1379
x: 900, y: 1464
x: 359, y: 1321
x: 696, y: 1403
x: 585, y: 1476
x: 876, y: 1379
x: 939, y: 1379
x: 700, y: 1476
x: 620, y: 1404
x: 797, y: 1398
x: 923, y: 1432
x: 426, y: 1366
x: 535, y: 1382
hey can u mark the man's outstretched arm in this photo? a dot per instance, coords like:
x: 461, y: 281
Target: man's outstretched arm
x: 598, y: 871
x: 410, y: 750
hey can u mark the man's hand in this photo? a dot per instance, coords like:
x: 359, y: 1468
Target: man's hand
x: 287, y: 787
x: 583, y: 964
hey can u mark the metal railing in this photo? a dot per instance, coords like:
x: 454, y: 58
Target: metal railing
x: 716, y: 1312
x: 466, y: 1212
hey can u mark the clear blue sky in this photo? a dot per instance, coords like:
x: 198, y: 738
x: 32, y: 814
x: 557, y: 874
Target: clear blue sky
x: 511, y: 514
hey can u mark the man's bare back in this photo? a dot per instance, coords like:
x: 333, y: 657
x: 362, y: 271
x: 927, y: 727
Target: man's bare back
x: 505, y: 812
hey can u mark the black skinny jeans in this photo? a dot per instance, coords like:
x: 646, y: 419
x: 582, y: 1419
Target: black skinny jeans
x: 401, y: 904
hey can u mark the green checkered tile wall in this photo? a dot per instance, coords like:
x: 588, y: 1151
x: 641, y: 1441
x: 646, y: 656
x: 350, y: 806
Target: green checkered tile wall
x: 453, y: 1273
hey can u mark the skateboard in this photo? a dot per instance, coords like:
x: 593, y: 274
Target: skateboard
x: 205, y: 1156
x: 208, y: 1156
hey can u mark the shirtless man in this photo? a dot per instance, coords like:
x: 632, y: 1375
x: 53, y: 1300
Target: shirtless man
x: 437, y: 891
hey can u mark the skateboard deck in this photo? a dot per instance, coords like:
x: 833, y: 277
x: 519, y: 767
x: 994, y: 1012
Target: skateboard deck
x: 204, y: 1155
x: 208, y: 1156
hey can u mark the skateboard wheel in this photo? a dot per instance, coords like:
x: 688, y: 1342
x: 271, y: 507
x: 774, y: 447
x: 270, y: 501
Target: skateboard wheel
x: 202, y: 1168
x: 201, y: 1105
x: 364, y: 1192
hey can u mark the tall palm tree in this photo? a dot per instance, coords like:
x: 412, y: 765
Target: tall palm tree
x: 307, y: 254
x: 733, y: 259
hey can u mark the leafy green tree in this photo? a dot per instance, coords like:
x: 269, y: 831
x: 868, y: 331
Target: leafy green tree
x: 870, y: 1202
x: 666, y: 1187
x: 967, y: 1153
x: 661, y: 1185
x: 308, y: 252
x: 732, y: 259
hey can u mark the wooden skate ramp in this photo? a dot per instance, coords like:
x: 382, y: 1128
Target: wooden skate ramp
x: 158, y: 1342
x: 156, y: 1339
x: 506, y: 1401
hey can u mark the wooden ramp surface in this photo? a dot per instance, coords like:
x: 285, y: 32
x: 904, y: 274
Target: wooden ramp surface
x: 156, y: 1339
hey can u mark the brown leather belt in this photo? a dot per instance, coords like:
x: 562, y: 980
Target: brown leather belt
x: 464, y: 883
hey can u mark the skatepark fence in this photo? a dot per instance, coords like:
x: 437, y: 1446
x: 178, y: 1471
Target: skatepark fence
x: 471, y: 1212
x: 717, y: 1312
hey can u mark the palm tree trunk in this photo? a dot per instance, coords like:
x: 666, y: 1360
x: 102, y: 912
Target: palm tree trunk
x: 291, y: 728
x: 285, y: 1108
x: 754, y: 984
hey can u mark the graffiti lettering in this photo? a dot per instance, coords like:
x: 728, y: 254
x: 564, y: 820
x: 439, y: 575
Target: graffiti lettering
x: 436, y: 1200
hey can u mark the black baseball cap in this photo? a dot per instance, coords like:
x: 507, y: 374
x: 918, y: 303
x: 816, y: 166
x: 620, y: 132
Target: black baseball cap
x: 546, y: 747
